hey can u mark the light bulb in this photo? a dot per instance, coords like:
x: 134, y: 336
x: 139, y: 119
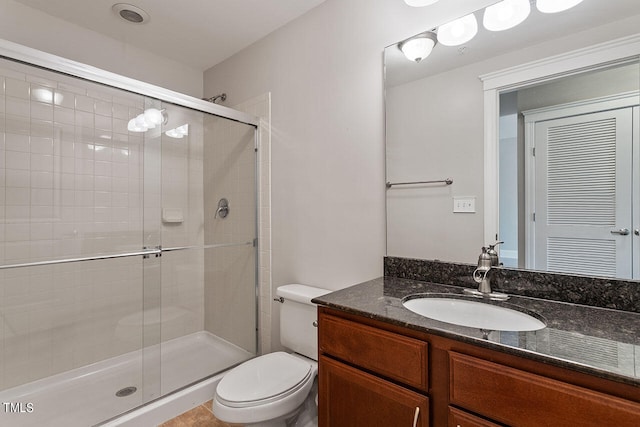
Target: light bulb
x: 141, y: 122
x: 153, y: 117
x: 459, y: 31
x: 554, y: 6
x: 420, y: 3
x: 506, y: 14
x: 132, y: 126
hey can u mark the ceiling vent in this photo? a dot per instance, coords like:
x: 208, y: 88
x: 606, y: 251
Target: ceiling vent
x: 131, y: 13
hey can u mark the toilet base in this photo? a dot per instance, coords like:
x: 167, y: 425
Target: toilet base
x: 305, y: 415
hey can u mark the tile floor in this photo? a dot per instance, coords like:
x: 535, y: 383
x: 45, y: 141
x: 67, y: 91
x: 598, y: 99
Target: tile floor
x: 200, y: 416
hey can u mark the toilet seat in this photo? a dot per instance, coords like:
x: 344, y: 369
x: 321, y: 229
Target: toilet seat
x: 263, y: 380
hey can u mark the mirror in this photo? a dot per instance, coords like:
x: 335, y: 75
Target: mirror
x: 438, y: 126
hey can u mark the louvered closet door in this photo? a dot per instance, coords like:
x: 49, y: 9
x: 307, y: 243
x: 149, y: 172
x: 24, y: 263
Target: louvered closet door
x: 583, y: 194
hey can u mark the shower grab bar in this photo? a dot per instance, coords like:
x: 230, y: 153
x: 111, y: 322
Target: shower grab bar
x: 447, y: 181
x: 146, y: 252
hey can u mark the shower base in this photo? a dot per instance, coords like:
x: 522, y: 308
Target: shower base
x: 87, y: 396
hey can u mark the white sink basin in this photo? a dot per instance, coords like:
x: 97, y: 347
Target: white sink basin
x: 473, y: 313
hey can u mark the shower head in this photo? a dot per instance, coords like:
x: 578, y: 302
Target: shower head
x: 222, y: 97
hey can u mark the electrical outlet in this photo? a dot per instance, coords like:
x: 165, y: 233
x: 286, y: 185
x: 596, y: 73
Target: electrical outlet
x: 464, y: 204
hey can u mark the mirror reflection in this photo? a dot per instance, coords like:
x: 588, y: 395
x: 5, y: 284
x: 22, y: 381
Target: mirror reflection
x: 435, y: 129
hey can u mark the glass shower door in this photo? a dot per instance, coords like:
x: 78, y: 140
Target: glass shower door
x: 207, y: 219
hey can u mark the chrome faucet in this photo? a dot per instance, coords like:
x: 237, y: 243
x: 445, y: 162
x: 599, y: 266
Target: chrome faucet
x: 482, y: 277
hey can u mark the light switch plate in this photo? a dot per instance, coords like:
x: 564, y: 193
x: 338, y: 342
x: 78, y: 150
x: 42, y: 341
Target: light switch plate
x: 464, y: 204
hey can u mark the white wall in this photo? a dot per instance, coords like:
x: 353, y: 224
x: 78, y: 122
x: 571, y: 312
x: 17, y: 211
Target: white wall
x: 324, y: 71
x: 33, y: 28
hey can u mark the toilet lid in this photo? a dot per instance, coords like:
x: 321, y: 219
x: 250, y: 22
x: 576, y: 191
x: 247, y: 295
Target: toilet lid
x: 263, y: 379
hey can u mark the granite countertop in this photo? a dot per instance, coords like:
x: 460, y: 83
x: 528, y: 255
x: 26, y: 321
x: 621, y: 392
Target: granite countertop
x: 598, y: 341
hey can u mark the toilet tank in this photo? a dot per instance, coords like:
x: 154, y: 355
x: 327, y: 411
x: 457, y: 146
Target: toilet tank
x: 297, y: 318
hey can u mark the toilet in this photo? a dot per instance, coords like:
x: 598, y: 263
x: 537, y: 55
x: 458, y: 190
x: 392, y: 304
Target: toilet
x: 275, y: 389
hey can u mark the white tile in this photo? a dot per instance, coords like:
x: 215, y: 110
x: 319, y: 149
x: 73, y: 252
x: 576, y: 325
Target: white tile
x: 41, y: 197
x: 84, y: 166
x: 64, y: 99
x: 84, y: 119
x: 72, y: 88
x: 17, y: 213
x: 42, y: 145
x: 17, y: 124
x: 18, y: 160
x: 17, y: 232
x: 104, y: 108
x: 41, y: 128
x: 41, y: 111
x: 41, y: 163
x: 17, y: 142
x: 120, y: 112
x: 17, y: 88
x: 17, y: 106
x: 103, y: 122
x: 102, y: 153
x: 63, y: 115
x: 42, y: 231
x: 42, y: 180
x: 20, y: 178
x: 85, y: 103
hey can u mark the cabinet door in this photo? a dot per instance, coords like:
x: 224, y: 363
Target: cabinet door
x: 349, y: 397
x: 458, y: 418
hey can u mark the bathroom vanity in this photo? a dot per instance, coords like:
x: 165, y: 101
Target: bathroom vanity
x: 382, y: 365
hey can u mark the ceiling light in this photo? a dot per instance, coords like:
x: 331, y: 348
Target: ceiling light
x: 419, y: 3
x: 418, y: 47
x: 457, y: 32
x: 554, y: 6
x: 130, y: 13
x: 506, y: 14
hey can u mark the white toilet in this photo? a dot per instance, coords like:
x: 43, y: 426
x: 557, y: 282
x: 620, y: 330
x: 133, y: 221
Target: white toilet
x: 274, y: 388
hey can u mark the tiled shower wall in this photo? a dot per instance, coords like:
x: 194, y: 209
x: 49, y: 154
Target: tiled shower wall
x: 71, y: 185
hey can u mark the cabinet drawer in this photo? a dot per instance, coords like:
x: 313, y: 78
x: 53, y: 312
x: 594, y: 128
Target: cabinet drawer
x: 391, y: 355
x: 458, y: 418
x: 349, y: 397
x: 523, y: 399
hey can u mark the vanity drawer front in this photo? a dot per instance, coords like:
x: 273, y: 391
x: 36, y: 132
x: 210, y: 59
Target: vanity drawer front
x: 458, y: 418
x: 391, y: 355
x: 349, y: 397
x: 523, y: 399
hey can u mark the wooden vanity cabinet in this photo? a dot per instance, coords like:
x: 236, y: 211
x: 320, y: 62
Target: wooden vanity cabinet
x: 373, y: 373
x: 370, y: 377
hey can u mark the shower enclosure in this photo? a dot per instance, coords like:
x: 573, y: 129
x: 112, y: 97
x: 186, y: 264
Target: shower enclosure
x: 121, y: 280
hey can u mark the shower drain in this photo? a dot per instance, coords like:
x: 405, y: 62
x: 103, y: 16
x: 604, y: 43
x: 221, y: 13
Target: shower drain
x: 126, y: 391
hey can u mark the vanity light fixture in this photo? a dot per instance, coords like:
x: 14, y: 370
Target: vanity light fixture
x: 420, y: 3
x: 554, y: 6
x: 149, y: 119
x: 506, y: 14
x: 457, y: 32
x: 418, y: 47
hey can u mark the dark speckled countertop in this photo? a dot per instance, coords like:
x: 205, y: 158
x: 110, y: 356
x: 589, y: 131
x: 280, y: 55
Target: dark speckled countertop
x: 597, y: 341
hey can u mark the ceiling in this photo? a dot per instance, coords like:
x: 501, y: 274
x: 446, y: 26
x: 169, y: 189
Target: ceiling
x: 197, y: 33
